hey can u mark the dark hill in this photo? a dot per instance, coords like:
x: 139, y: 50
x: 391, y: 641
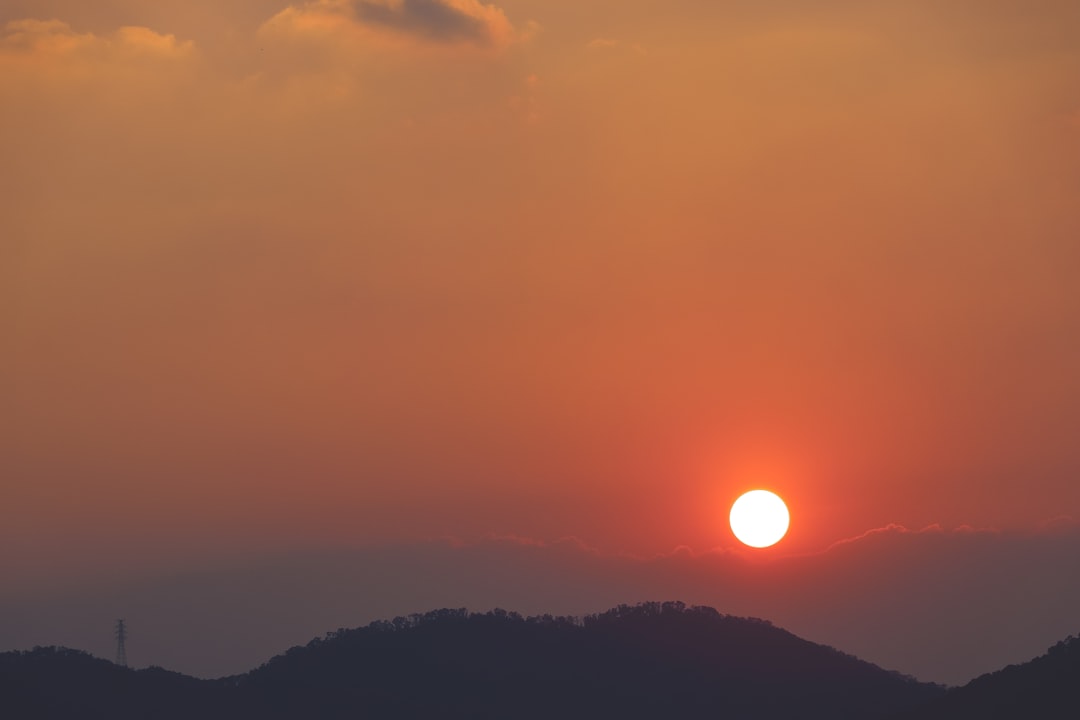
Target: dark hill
x: 1047, y: 688
x: 648, y: 661
x: 48, y: 683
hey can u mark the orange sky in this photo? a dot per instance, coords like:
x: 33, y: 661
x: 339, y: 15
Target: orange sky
x: 341, y: 273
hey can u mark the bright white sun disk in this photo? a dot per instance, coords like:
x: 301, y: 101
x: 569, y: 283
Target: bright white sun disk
x: 759, y: 518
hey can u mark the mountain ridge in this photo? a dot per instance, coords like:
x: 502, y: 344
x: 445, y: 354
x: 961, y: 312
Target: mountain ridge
x: 1046, y: 687
x: 648, y: 660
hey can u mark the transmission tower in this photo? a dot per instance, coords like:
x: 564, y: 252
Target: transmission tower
x: 121, y: 651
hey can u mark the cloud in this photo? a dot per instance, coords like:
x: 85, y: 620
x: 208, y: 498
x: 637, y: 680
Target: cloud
x: 57, y: 39
x: 443, y: 22
x: 891, y: 528
x: 146, y: 41
x: 440, y: 20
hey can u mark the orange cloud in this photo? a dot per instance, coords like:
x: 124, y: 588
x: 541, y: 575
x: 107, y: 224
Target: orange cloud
x: 57, y: 39
x: 445, y: 22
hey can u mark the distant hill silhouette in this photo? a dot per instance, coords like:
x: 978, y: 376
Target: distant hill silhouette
x: 654, y: 660
x: 48, y: 683
x: 1047, y: 688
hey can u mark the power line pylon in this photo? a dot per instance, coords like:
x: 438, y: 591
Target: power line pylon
x: 121, y: 651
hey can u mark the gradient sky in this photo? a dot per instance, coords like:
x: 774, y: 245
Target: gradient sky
x: 344, y: 275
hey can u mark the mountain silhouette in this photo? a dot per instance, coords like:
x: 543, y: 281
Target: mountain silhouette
x: 654, y: 660
x: 54, y: 683
x: 647, y: 661
x: 1047, y: 688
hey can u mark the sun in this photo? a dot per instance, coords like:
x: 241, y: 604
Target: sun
x: 759, y: 518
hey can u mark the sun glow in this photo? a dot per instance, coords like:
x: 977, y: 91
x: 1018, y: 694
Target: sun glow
x: 759, y: 518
